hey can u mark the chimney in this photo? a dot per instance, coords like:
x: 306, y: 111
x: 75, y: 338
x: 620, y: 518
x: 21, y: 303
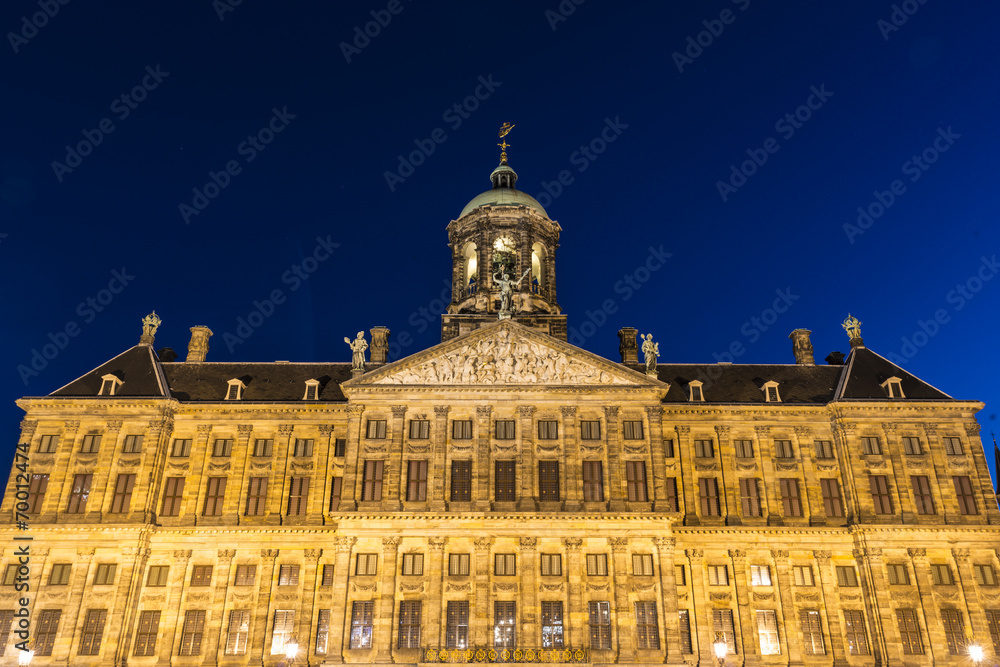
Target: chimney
x: 628, y: 348
x: 198, y: 347
x: 802, y: 347
x: 166, y: 354
x: 835, y: 358
x: 380, y: 345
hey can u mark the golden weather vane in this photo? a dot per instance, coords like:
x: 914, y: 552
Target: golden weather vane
x: 504, y: 131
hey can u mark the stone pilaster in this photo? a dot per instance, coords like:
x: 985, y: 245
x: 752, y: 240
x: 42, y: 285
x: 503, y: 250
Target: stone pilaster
x: 320, y: 488
x: 482, y: 612
x: 577, y: 616
x: 121, y: 616
x: 968, y: 597
x: 770, y: 501
x: 616, y: 494
x: 784, y: 585
x: 438, y: 465
x: 727, y: 461
x: 624, y: 615
x: 311, y: 581
x: 685, y: 452
x: 436, y: 567
x: 745, y: 617
x: 382, y: 634
x: 172, y: 618
x: 351, y: 486
x: 266, y: 583
x: 215, y: 631
x: 526, y: 460
x: 656, y: 475
x: 278, y: 497
x: 573, y: 474
x: 392, y: 476
x: 157, y: 448
x: 481, y: 467
x: 827, y: 581
x: 811, y: 494
x: 235, y: 497
x: 199, y: 476
x: 668, y: 596
x: 878, y: 615
x: 530, y: 631
x: 700, y: 617
x: 338, y: 641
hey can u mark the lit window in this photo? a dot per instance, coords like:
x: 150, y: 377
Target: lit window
x: 771, y: 392
x: 695, y: 391
x: 718, y: 575
x: 642, y: 565
x: 235, y: 390
x: 312, y: 390
x: 458, y: 565
x: 597, y: 565
x: 803, y: 575
x: 760, y: 575
x: 767, y: 631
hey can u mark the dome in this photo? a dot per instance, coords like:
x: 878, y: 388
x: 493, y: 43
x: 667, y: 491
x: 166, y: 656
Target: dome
x: 503, y: 197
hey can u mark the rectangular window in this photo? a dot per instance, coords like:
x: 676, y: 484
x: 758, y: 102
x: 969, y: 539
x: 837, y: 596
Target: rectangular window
x: 303, y: 447
x: 192, y: 632
x: 898, y: 574
x: 722, y: 625
x: 551, y: 565
x: 336, y: 485
x: 504, y: 429
x: 684, y: 628
x: 993, y: 622
x: 158, y: 576
x: 46, y: 631
x: 326, y: 578
x: 548, y: 480
x: 79, y: 494
x: 871, y: 445
x: 60, y: 574
x: 93, y: 631
x: 880, y: 494
x: 857, y: 638
x: 922, y: 494
x: 340, y: 447
x: 201, y: 575
x: 593, y: 481
x: 704, y: 449
x: 181, y: 447
x: 458, y: 565
x: 239, y: 632
x: 911, y: 445
x: 847, y: 576
x: 222, y: 447
x: 812, y: 632
x: 632, y: 430
x: 461, y: 481
x: 548, y: 429
x: 504, y: 619
x: 783, y: 449
x: 954, y: 630
x: 985, y: 575
x: 744, y: 448
x: 708, y: 490
x: 246, y: 575
x: 375, y: 429
x: 635, y: 480
x: 298, y: 496
x: 362, y: 624
x: 646, y: 627
x: 214, y: 496
x: 145, y: 635
x: 504, y: 565
x: 552, y: 624
x: 461, y: 429
x: 803, y: 575
x: 105, y: 575
x: 371, y: 481
x: 718, y: 575
x: 668, y: 449
x: 600, y: 625
x: 37, y: 487
x: 909, y: 632
x: 288, y: 575
x: 963, y: 491
x: 680, y: 578
x: 256, y: 497
x: 590, y: 430
x: 642, y: 565
x: 47, y: 444
x: 670, y: 491
x: 173, y: 492
x: 284, y: 627
x: 409, y: 624
x: 122, y: 499
x: 760, y: 575
x: 10, y: 575
x: 767, y: 632
x: 263, y: 447
x: 367, y: 564
x: 416, y: 480
x: 413, y: 564
x: 420, y: 429
x: 597, y: 565
x: 832, y: 504
x: 824, y: 449
x: 322, y: 631
x: 505, y: 490
x: 132, y: 444
x: 91, y: 443
x: 953, y: 446
x: 457, y: 624
x: 791, y: 502
x: 941, y: 575
x: 750, y: 496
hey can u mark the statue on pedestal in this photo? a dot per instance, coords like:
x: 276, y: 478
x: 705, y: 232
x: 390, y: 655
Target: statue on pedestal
x: 650, y: 350
x: 507, y: 290
x: 358, y: 347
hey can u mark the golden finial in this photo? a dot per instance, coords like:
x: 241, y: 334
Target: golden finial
x: 150, y: 324
x: 852, y: 326
x: 504, y: 131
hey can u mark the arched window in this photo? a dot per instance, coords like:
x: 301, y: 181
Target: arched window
x: 471, y: 267
x: 538, y: 267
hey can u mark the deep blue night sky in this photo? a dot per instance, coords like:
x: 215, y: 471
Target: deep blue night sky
x: 681, y: 115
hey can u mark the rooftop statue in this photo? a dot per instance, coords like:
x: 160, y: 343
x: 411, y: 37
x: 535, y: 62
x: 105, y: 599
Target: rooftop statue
x: 358, y: 347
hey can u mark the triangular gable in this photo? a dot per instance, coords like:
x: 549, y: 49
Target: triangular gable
x: 865, y: 371
x: 137, y: 368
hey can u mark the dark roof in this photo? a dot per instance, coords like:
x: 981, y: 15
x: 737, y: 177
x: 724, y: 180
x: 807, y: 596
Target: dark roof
x: 277, y: 382
x: 743, y: 383
x: 136, y: 367
x: 866, y: 371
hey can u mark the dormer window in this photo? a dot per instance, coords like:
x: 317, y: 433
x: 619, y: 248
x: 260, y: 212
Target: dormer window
x: 235, y: 391
x: 893, y: 387
x: 696, y: 393
x: 109, y: 385
x: 771, y: 394
x: 312, y: 390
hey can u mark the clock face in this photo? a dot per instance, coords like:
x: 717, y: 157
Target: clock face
x: 504, y: 244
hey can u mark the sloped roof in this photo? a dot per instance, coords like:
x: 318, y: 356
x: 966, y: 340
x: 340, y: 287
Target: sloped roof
x: 742, y: 383
x: 275, y: 382
x: 865, y: 371
x: 136, y: 367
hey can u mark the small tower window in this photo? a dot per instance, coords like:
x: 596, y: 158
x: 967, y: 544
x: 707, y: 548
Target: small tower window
x: 893, y: 387
x: 109, y: 385
x: 696, y: 393
x: 312, y: 390
x: 771, y: 394
x: 235, y: 391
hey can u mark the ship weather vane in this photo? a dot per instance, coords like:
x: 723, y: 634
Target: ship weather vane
x: 504, y: 131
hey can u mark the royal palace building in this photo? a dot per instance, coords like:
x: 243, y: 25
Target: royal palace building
x: 503, y: 496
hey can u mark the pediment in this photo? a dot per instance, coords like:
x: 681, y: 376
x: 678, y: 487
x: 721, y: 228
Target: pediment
x: 505, y: 354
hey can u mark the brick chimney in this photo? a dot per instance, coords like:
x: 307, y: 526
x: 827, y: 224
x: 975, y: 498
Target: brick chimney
x: 380, y: 345
x: 802, y: 347
x: 198, y: 347
x: 628, y: 348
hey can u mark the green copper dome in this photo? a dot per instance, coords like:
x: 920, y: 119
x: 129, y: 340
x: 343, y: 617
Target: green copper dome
x: 503, y: 197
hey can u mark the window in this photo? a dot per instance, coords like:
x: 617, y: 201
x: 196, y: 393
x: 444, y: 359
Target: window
x: 548, y: 480
x: 590, y: 430
x: 632, y: 430
x: 548, y: 429
x: 597, y: 565
x: 847, y: 576
x: 642, y: 565
x: 831, y: 497
x: 362, y: 624
x: 413, y: 564
x: 954, y: 631
x: 504, y: 429
x: 312, y: 390
x: 871, y: 445
x: 234, y: 392
x: 680, y: 579
x: 79, y: 494
x: 880, y: 494
x: 504, y: 618
x: 803, y: 575
x: 911, y: 445
x: 284, y: 626
x: 695, y: 392
x: 963, y: 492
x: 635, y: 480
x: 600, y: 625
x: 298, y: 496
x: 122, y: 499
x: 376, y: 429
x: 771, y: 392
x: 767, y: 632
x: 416, y: 480
x: 192, y: 632
x: 262, y: 447
x: 371, y: 481
x: 461, y: 429
x: 105, y: 575
x: 504, y: 482
x: 322, y: 631
x: 246, y: 575
x: 812, y: 632
x: 214, y: 496
x: 457, y: 625
x: 646, y: 627
x: 222, y: 447
x: 420, y: 429
x: 760, y: 575
x: 256, y: 497
x: 670, y: 491
x: 461, y: 481
x: 326, y: 578
x: 593, y: 481
x: 993, y: 621
x: 552, y: 624
x: 93, y: 631
x: 48, y: 443
x: 10, y: 575
x: 684, y: 628
x: 201, y: 575
x: 952, y: 446
x: 941, y: 575
x: 898, y: 574
x: 158, y: 575
x: 824, y: 449
x: 145, y: 635
x: 708, y: 490
x: 704, y: 449
x: 909, y: 632
x: 985, y: 574
x: 791, y: 502
x: 857, y: 639
x: 303, y: 447
x: 132, y: 444
x: 718, y: 575
x: 504, y: 565
x: 366, y: 565
x: 37, y: 487
x: 60, y: 574
x: 744, y: 448
x: 458, y: 565
x: 339, y: 446
x: 173, y: 492
x: 336, y: 483
x: 409, y: 624
x: 551, y: 565
x: 750, y: 496
x: 288, y: 575
x: 46, y: 630
x: 181, y: 447
x: 783, y: 449
x: 722, y: 626
x: 893, y: 388
x: 668, y: 449
x: 239, y: 632
x: 91, y: 443
x: 922, y: 494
